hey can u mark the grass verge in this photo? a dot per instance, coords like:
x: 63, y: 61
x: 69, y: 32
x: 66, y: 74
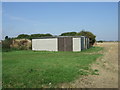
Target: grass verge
x: 36, y: 69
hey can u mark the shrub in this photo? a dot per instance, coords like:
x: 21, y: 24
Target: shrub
x: 6, y: 44
x: 100, y: 41
x: 23, y: 45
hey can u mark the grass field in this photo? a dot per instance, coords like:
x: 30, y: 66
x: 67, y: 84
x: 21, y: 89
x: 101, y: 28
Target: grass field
x: 29, y: 69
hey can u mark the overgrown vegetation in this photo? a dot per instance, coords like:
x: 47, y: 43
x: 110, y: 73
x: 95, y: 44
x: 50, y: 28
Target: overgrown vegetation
x: 11, y: 44
x: 69, y: 34
x: 100, y: 41
x: 6, y: 44
x: 21, y: 36
x: 93, y: 49
x: 88, y: 34
x: 33, y: 69
x: 22, y: 45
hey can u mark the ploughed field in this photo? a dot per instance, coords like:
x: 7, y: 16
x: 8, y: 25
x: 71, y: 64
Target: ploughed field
x: 36, y: 69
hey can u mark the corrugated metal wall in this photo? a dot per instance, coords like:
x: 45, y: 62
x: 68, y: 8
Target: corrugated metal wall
x: 61, y: 44
x: 82, y: 43
x: 50, y: 44
x: 77, y: 44
x: 65, y: 44
x: 86, y: 42
x: 88, y: 45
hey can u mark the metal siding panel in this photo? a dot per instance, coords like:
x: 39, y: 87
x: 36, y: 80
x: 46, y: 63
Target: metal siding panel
x: 65, y: 44
x: 45, y: 44
x: 76, y: 44
x: 82, y: 43
x: 68, y: 44
x: 88, y: 43
x: 60, y: 44
x: 85, y: 42
x: 71, y: 44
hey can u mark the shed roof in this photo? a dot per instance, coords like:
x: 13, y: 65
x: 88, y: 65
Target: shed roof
x: 57, y: 37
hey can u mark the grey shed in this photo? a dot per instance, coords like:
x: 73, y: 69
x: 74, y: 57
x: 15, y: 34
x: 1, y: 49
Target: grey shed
x: 61, y: 43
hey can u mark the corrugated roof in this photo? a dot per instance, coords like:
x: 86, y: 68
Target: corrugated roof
x: 57, y: 37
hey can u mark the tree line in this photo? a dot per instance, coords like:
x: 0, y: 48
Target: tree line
x: 88, y: 34
x: 8, y: 41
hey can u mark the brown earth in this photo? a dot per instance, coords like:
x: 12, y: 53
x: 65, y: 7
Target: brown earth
x: 108, y: 70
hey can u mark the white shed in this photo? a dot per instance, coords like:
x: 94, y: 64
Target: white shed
x: 63, y: 43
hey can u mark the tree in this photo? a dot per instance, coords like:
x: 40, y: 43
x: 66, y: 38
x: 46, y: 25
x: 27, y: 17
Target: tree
x: 6, y: 37
x: 69, y: 34
x: 100, y: 41
x: 6, y: 44
x: 48, y: 34
x: 88, y: 34
x: 23, y: 36
x: 35, y: 35
x: 39, y: 35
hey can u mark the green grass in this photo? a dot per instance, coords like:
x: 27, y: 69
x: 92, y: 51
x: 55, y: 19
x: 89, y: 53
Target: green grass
x: 93, y: 49
x: 28, y: 69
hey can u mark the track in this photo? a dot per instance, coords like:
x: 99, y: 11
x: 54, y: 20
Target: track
x: 108, y: 70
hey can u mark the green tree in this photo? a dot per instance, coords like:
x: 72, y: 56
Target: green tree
x: 39, y: 35
x: 6, y: 37
x: 6, y: 44
x: 69, y: 34
x: 35, y: 35
x: 21, y: 36
x: 88, y: 34
x: 48, y: 34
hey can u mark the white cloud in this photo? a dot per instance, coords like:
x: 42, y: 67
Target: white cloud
x: 19, y: 19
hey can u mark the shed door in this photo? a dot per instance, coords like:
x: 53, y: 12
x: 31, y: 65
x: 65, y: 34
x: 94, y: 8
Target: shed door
x: 65, y: 44
x: 82, y: 43
x: 60, y: 44
x: 68, y: 44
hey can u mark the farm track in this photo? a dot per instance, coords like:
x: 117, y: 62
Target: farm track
x: 107, y: 66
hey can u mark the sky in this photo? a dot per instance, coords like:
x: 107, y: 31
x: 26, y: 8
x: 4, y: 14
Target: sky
x: 100, y: 18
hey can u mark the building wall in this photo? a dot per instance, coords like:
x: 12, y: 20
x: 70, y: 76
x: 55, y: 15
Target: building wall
x: 60, y: 44
x: 83, y: 43
x: 88, y: 45
x: 65, y: 44
x: 86, y: 42
x: 50, y: 44
x: 76, y: 44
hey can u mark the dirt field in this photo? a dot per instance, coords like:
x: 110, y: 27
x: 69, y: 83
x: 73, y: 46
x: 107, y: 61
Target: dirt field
x: 108, y: 70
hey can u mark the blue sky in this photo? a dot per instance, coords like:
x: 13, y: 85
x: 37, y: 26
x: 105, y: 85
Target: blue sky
x: 100, y: 18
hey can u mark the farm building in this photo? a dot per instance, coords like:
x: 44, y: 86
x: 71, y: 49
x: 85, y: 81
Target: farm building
x: 62, y: 43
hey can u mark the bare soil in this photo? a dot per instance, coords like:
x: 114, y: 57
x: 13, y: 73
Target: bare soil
x: 107, y: 66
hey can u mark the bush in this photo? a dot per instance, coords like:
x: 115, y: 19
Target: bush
x: 23, y: 45
x: 88, y: 34
x: 11, y: 44
x: 69, y: 34
x: 6, y: 44
x: 100, y: 41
